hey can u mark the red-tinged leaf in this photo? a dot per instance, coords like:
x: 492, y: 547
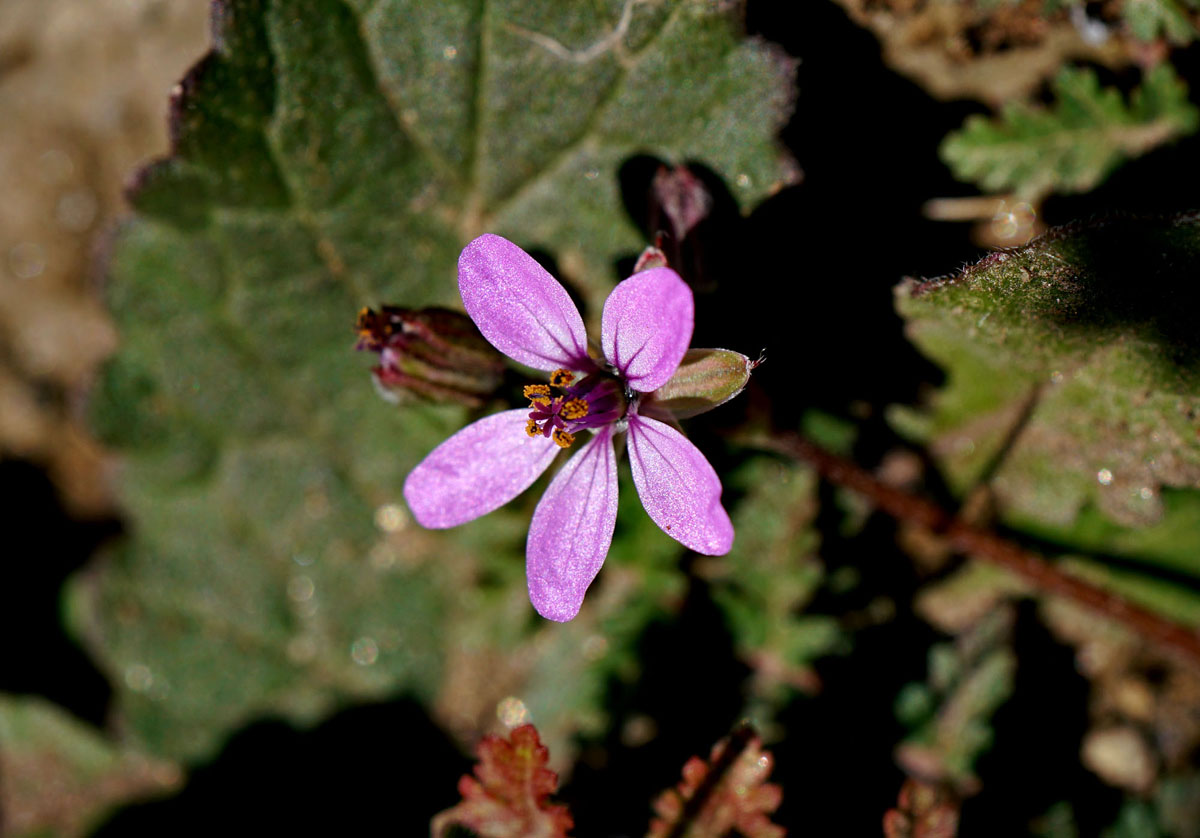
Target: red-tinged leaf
x: 507, y: 797
x: 726, y: 793
x: 922, y: 811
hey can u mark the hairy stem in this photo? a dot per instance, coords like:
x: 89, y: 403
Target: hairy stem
x: 739, y: 740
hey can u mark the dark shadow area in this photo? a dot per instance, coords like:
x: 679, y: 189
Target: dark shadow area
x: 1034, y: 759
x: 707, y: 255
x: 836, y: 764
x: 384, y: 769
x: 809, y: 275
x: 45, y: 546
x: 688, y: 696
x: 823, y: 257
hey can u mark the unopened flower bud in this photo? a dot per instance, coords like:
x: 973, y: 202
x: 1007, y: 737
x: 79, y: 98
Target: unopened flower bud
x: 433, y: 353
x: 684, y: 199
x: 651, y: 257
x: 705, y: 379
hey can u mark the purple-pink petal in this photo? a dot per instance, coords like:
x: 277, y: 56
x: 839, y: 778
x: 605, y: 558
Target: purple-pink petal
x: 572, y: 529
x: 678, y: 487
x: 519, y: 307
x: 480, y: 468
x: 647, y: 326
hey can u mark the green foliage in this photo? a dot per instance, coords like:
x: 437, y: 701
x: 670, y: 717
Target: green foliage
x: 1074, y: 144
x: 1153, y: 19
x: 832, y: 432
x: 1135, y: 820
x: 58, y: 776
x: 950, y: 714
x: 1173, y: 812
x: 768, y: 578
x: 330, y: 155
x: 1073, y: 385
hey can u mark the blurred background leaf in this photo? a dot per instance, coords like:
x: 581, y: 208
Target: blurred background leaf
x: 61, y: 776
x: 767, y: 580
x: 1169, y: 19
x: 82, y: 98
x: 950, y: 714
x: 1054, y: 125
x: 1071, y: 146
x: 995, y: 52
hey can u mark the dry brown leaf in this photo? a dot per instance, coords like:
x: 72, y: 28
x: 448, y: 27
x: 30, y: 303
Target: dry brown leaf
x: 994, y: 54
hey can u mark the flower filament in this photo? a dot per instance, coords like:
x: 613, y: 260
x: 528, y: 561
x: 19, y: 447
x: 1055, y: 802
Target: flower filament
x: 594, y: 401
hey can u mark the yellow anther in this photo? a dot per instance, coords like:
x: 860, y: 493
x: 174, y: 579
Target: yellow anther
x: 366, y: 322
x: 538, y: 393
x: 574, y: 409
x: 561, y: 378
x: 531, y: 428
x: 563, y: 438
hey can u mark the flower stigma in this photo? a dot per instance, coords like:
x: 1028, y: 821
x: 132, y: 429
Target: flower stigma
x: 594, y: 401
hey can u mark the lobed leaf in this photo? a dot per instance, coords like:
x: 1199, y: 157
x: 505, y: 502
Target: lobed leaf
x: 922, y: 811
x: 950, y: 715
x: 1074, y: 144
x: 767, y: 579
x: 1073, y: 384
x: 1152, y: 19
x: 508, y: 796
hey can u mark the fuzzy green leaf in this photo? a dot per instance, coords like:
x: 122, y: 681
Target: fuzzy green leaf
x: 1076, y: 143
x: 1073, y: 385
x: 1152, y: 19
x: 968, y: 681
x: 59, y: 776
x: 330, y: 155
x: 767, y: 579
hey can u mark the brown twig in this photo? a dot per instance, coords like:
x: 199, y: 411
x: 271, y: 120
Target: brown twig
x: 1183, y: 642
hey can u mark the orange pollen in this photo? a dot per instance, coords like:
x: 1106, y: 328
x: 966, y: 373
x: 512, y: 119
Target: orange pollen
x: 561, y: 378
x: 563, y: 438
x: 363, y: 324
x: 574, y: 409
x: 531, y: 428
x: 538, y: 393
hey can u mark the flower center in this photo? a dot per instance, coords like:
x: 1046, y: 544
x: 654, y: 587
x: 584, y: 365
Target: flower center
x: 594, y: 401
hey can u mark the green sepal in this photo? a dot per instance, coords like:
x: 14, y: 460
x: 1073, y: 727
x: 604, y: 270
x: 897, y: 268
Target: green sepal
x: 706, y: 378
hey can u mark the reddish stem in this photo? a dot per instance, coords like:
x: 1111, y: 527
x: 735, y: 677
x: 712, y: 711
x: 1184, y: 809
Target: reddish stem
x: 987, y: 546
x: 739, y: 740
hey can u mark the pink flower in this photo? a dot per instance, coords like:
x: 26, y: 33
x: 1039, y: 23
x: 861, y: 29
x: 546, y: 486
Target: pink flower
x: 645, y: 330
